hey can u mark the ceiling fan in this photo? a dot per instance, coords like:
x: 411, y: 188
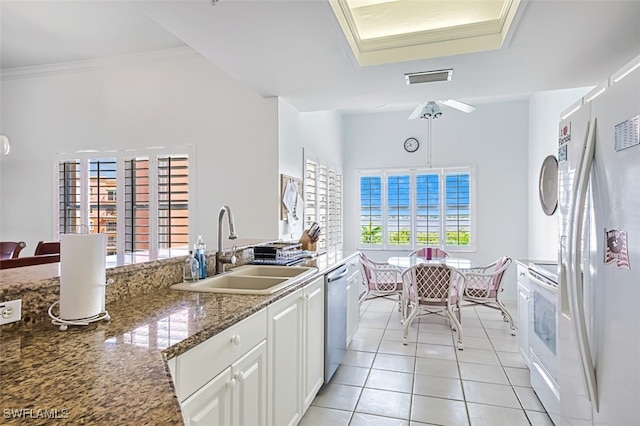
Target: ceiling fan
x: 430, y: 109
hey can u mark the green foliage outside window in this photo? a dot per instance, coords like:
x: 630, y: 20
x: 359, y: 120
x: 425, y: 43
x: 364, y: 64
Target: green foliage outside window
x: 371, y: 234
x: 401, y: 238
x: 458, y: 238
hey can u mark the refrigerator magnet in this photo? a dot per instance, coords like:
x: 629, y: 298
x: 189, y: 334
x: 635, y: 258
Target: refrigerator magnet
x: 616, y: 248
x: 562, y: 153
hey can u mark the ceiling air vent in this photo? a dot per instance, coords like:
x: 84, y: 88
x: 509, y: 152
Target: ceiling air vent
x: 428, y: 76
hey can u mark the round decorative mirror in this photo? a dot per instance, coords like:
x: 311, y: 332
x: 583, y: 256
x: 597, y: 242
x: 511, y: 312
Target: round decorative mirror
x: 548, y: 185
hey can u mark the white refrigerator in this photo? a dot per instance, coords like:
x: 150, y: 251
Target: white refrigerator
x: 598, y: 355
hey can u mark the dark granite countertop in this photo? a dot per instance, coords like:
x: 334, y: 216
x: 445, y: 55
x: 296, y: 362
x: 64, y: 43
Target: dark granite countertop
x: 115, y: 372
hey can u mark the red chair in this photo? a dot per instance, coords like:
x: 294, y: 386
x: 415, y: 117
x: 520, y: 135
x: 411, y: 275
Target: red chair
x: 11, y: 249
x: 47, y: 247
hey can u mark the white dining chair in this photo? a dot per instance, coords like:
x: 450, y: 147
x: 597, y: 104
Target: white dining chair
x: 483, y: 287
x: 433, y: 290
x: 380, y: 279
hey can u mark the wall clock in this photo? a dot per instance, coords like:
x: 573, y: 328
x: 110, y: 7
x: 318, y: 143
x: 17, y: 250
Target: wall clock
x: 411, y: 145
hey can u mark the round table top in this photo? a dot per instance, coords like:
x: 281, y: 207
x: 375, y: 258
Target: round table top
x: 405, y: 262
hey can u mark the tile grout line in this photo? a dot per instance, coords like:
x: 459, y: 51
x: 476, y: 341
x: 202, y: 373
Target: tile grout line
x: 414, y: 357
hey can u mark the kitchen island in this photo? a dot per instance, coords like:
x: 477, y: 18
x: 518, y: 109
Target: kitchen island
x: 116, y: 372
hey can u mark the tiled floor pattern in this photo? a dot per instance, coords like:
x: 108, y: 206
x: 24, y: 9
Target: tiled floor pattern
x: 382, y: 382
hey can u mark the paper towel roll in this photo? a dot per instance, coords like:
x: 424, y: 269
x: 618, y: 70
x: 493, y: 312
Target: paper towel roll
x: 82, y: 275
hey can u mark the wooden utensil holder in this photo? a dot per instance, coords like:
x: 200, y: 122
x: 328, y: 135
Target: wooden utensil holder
x: 306, y: 242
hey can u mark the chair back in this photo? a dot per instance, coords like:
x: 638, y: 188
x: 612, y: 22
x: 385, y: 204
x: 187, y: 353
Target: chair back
x: 485, y: 282
x: 501, y: 265
x: 11, y: 249
x: 431, y: 284
x: 364, y: 263
x: 380, y: 277
x: 47, y: 247
x: 435, y: 252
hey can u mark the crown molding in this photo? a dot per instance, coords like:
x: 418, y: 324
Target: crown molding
x: 175, y: 54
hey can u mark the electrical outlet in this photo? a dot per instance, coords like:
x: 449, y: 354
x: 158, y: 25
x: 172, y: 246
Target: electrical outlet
x: 10, y: 311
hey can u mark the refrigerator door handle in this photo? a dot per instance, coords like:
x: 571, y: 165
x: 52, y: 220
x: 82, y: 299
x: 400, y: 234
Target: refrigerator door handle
x: 575, y: 260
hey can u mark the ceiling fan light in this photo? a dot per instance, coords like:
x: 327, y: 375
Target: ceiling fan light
x: 426, y: 112
x: 436, y: 111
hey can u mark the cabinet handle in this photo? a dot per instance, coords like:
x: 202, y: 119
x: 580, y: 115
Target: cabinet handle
x: 236, y: 339
x: 231, y: 383
x: 306, y: 296
x: 239, y: 376
x: 522, y: 274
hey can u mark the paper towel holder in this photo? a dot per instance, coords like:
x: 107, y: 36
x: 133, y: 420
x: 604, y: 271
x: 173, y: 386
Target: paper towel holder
x: 90, y: 315
x: 64, y: 323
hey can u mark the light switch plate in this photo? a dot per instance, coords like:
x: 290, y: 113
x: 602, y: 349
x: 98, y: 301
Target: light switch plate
x: 10, y: 311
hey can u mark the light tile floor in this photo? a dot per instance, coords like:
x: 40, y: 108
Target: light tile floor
x: 383, y: 382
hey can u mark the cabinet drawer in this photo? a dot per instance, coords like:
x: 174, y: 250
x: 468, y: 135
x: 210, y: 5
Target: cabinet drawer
x: 199, y: 365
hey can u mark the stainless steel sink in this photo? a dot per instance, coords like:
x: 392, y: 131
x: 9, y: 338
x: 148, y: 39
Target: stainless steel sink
x: 250, y: 279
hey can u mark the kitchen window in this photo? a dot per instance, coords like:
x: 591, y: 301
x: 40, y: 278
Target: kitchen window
x: 140, y: 201
x: 409, y: 209
x: 323, y: 202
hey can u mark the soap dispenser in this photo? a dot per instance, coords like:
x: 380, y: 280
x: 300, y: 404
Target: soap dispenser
x: 200, y: 256
x: 191, y: 269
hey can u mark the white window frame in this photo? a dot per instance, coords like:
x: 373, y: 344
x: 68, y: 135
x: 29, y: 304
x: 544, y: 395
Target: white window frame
x: 84, y: 157
x: 413, y: 173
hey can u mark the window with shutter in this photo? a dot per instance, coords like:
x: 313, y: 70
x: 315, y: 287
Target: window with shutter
x: 323, y: 203
x: 141, y: 202
x: 417, y: 208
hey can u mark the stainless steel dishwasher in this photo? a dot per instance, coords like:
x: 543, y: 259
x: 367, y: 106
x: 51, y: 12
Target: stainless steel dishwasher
x: 335, y: 320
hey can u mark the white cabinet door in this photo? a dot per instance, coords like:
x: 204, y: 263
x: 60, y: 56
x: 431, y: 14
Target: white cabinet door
x: 211, y: 404
x: 313, y: 340
x: 249, y: 396
x: 284, y: 342
x: 354, y: 285
x: 523, y: 312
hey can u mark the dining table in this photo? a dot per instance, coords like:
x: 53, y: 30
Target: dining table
x: 405, y: 262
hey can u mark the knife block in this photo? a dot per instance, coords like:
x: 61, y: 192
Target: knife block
x: 306, y: 242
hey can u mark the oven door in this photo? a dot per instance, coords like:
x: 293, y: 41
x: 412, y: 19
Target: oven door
x: 543, y: 322
x: 543, y: 310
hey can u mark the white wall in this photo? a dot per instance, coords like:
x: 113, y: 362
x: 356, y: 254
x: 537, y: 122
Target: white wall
x: 320, y: 133
x: 493, y: 138
x: 161, y: 102
x: 544, y: 116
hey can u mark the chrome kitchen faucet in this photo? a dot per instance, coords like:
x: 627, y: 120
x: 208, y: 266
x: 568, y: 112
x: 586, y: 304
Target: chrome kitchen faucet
x: 220, y: 260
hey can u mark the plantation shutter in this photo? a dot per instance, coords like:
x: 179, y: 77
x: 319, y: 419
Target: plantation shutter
x: 137, y: 225
x: 457, y: 209
x: 103, y: 200
x: 398, y: 210
x: 173, y: 202
x: 323, y: 204
x: 69, y: 197
x: 428, y: 213
x: 371, y: 210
